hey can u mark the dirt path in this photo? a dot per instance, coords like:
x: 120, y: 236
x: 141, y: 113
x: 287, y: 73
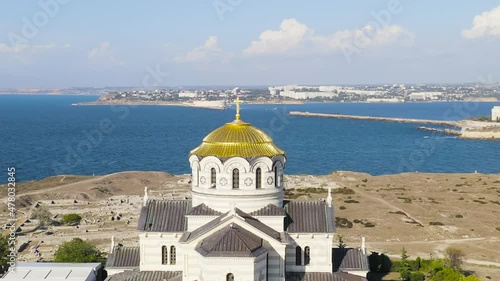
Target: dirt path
x: 391, y: 206
x: 45, y: 190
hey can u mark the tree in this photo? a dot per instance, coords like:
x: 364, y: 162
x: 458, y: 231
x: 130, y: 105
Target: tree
x: 447, y: 274
x: 417, y: 264
x: 43, y: 215
x: 417, y: 276
x: 455, y: 257
x: 404, y: 257
x: 4, y: 251
x: 78, y: 251
x: 71, y: 219
x: 379, y: 263
x: 436, y: 266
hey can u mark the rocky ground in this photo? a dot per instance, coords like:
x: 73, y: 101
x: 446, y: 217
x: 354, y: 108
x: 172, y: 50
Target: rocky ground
x: 425, y: 213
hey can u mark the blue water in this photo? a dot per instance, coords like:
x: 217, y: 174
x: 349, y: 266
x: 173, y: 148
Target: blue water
x: 43, y: 136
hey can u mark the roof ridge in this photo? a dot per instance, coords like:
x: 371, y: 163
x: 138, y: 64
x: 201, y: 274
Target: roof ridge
x: 238, y: 233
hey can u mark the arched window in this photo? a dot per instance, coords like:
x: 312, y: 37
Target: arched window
x: 213, y: 177
x: 236, y: 179
x: 307, y: 255
x: 172, y: 255
x: 164, y: 255
x: 276, y: 177
x: 229, y: 277
x: 258, y: 178
x: 298, y: 256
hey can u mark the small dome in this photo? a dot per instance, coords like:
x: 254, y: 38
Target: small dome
x: 237, y: 138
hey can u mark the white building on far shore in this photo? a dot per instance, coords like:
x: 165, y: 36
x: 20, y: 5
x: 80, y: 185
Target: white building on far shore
x: 495, y: 113
x: 307, y: 95
x: 188, y: 95
x: 423, y: 96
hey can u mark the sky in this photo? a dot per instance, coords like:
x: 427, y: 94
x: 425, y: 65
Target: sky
x: 69, y: 43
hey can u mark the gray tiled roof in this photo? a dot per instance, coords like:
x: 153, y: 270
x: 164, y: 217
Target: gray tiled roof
x: 322, y: 276
x: 125, y: 257
x: 189, y: 236
x: 146, y: 276
x: 232, y: 240
x: 350, y: 259
x: 203, y: 210
x: 270, y: 210
x: 164, y: 216
x: 309, y: 217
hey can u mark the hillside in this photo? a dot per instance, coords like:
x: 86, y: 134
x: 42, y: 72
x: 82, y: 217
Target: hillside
x: 422, y: 212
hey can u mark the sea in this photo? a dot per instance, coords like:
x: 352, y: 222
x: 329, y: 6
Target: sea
x: 44, y: 135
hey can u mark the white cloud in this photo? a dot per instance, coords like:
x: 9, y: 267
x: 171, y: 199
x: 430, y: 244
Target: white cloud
x: 104, y: 51
x: 4, y: 48
x: 486, y: 24
x: 293, y: 35
x: 207, y: 51
x: 25, y: 48
x: 365, y: 37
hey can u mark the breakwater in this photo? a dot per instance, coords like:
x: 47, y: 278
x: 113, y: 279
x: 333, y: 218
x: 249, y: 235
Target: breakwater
x: 377, y: 118
x: 443, y: 131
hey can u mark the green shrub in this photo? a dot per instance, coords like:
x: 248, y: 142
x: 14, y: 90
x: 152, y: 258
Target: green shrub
x: 78, y: 251
x: 369, y: 224
x: 71, y: 219
x: 343, y: 223
x: 344, y: 190
x: 417, y: 276
x: 43, y: 215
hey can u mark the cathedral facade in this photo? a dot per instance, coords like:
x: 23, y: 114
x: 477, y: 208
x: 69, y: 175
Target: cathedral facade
x: 237, y: 225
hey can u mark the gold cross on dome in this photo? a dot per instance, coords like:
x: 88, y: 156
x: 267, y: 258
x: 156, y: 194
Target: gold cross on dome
x: 237, y: 107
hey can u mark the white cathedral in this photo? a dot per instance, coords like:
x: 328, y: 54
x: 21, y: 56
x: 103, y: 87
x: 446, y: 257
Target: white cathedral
x: 237, y: 225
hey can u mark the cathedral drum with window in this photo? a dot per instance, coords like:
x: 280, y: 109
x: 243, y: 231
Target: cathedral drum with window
x: 236, y: 226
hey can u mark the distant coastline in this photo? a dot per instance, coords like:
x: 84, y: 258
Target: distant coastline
x: 217, y: 105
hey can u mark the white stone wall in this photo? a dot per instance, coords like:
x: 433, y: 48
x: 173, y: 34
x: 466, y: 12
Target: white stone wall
x: 151, y: 251
x: 276, y: 223
x: 320, y: 246
x: 245, y: 202
x: 195, y: 222
x: 216, y: 269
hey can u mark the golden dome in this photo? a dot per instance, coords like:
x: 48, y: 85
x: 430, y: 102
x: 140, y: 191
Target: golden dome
x: 237, y: 139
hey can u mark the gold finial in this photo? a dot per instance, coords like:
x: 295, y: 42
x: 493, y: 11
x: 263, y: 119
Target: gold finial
x: 237, y: 107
